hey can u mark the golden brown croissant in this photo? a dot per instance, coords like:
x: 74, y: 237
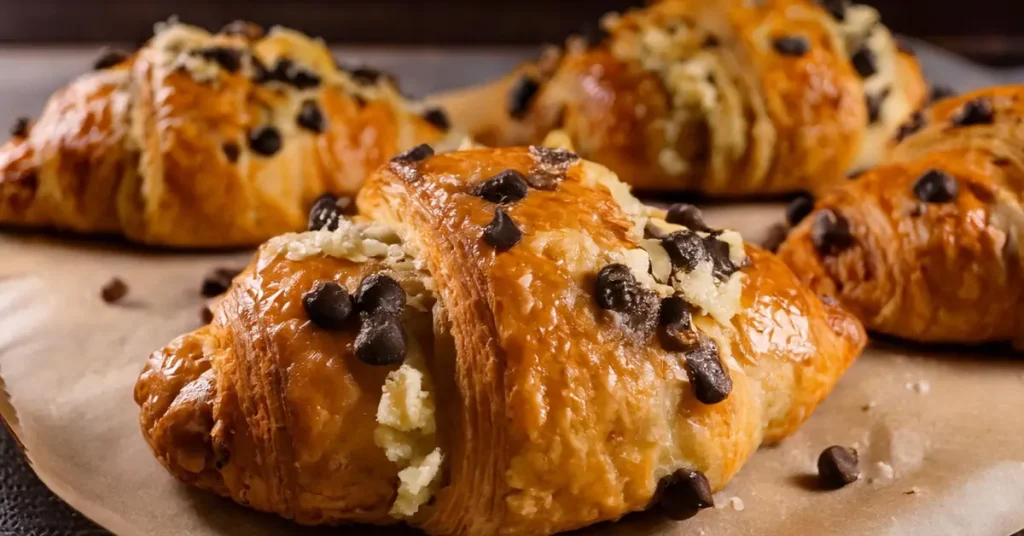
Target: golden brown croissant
x: 204, y: 140
x: 928, y: 245
x: 493, y: 346
x: 728, y: 97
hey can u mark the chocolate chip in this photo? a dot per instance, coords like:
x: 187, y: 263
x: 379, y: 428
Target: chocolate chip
x: 416, y: 154
x: 865, y: 62
x: 675, y: 317
x: 230, y: 59
x: 265, y: 140
x: 775, y: 236
x: 109, y: 57
x: 915, y: 123
x: 799, y: 208
x: 836, y: 8
x: 368, y: 76
x: 936, y: 186
x: 721, y: 263
x: 502, y: 233
x: 303, y: 79
x: 20, y: 127
x: 520, y: 95
x: 617, y: 289
x: 438, y: 118
x: 328, y: 305
x: 684, y: 493
x: 685, y: 250
x: 974, y: 112
x: 837, y: 467
x: 287, y: 72
x: 381, y: 341
x: 218, y: 281
x: 380, y: 294
x: 675, y: 310
x: 324, y: 214
x: 710, y: 381
x: 874, y: 104
x: 941, y: 92
x: 114, y: 291
x: 711, y: 41
x: 830, y: 232
x: 688, y: 216
x: 792, y: 45
x: 231, y: 151
x: 205, y: 314
x: 249, y: 30
x: 508, y: 186
x: 310, y: 117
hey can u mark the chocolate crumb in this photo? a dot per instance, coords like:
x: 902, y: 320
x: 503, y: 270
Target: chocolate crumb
x: 974, y: 112
x: 310, y: 117
x: 502, y: 233
x: 231, y: 151
x: 830, y: 232
x: 381, y: 341
x: 20, y: 127
x: 684, y: 493
x: 792, y: 45
x: 936, y: 186
x: 265, y: 140
x: 837, y: 467
x: 114, y: 291
x: 328, y: 305
x: 508, y: 186
x: 379, y: 294
x: 520, y: 95
x: 675, y: 317
x: 709, y: 379
x: 688, y: 216
x: 438, y: 118
x: 799, y: 208
x: 109, y: 57
x: 218, y: 281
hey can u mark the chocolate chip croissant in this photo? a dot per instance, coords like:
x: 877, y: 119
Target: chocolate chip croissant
x: 503, y: 340
x: 928, y: 246
x: 726, y: 97
x: 202, y: 140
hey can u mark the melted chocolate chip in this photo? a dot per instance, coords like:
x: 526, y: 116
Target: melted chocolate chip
x: 378, y: 295
x: 684, y: 493
x: 675, y: 317
x: 265, y: 140
x: 799, y: 208
x: 231, y: 151
x: 242, y: 28
x: 381, y: 341
x: 417, y: 154
x: 20, y: 127
x: 218, y: 281
x: 508, y: 186
x: 836, y: 8
x: 310, y: 117
x: 438, y: 118
x: 792, y: 45
x: 775, y: 236
x: 915, y: 123
x: 328, y: 305
x: 114, y: 291
x: 617, y: 289
x: 830, y: 232
x: 685, y: 249
x: 936, y: 186
x: 324, y: 214
x: 837, y: 467
x: 710, y: 381
x: 865, y: 62
x: 675, y: 310
x: 941, y: 92
x: 520, y: 95
x: 502, y: 233
x: 287, y: 72
x: 874, y: 104
x: 230, y: 59
x: 718, y: 250
x: 974, y: 112
x: 109, y: 57
x: 303, y: 79
x: 688, y: 216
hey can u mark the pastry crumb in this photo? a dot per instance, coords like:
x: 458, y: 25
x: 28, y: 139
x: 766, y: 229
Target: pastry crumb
x: 868, y: 407
x: 913, y: 491
x: 921, y: 387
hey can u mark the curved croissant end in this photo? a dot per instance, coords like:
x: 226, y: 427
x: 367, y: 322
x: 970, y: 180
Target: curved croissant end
x: 204, y: 140
x: 928, y: 246
x: 552, y: 377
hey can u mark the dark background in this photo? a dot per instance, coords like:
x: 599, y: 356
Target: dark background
x: 986, y: 30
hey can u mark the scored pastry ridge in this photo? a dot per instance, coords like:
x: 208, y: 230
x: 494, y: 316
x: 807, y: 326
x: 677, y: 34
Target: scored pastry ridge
x: 523, y: 403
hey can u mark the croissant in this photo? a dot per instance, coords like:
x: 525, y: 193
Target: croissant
x: 927, y: 246
x: 725, y: 97
x: 200, y: 140
x: 492, y: 345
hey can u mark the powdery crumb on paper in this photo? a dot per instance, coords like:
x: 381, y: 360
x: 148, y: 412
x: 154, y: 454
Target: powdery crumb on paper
x: 736, y: 503
x: 913, y: 491
x: 921, y: 387
x: 883, y: 471
x: 868, y: 407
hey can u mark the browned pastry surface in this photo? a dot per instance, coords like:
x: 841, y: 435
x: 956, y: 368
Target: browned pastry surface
x: 548, y: 411
x: 204, y: 140
x: 724, y: 97
x: 933, y: 251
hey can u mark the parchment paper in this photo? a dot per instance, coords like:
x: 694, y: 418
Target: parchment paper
x: 940, y: 431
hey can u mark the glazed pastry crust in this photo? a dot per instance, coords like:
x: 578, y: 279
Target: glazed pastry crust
x: 933, y: 272
x: 550, y: 413
x: 143, y: 149
x: 731, y: 118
